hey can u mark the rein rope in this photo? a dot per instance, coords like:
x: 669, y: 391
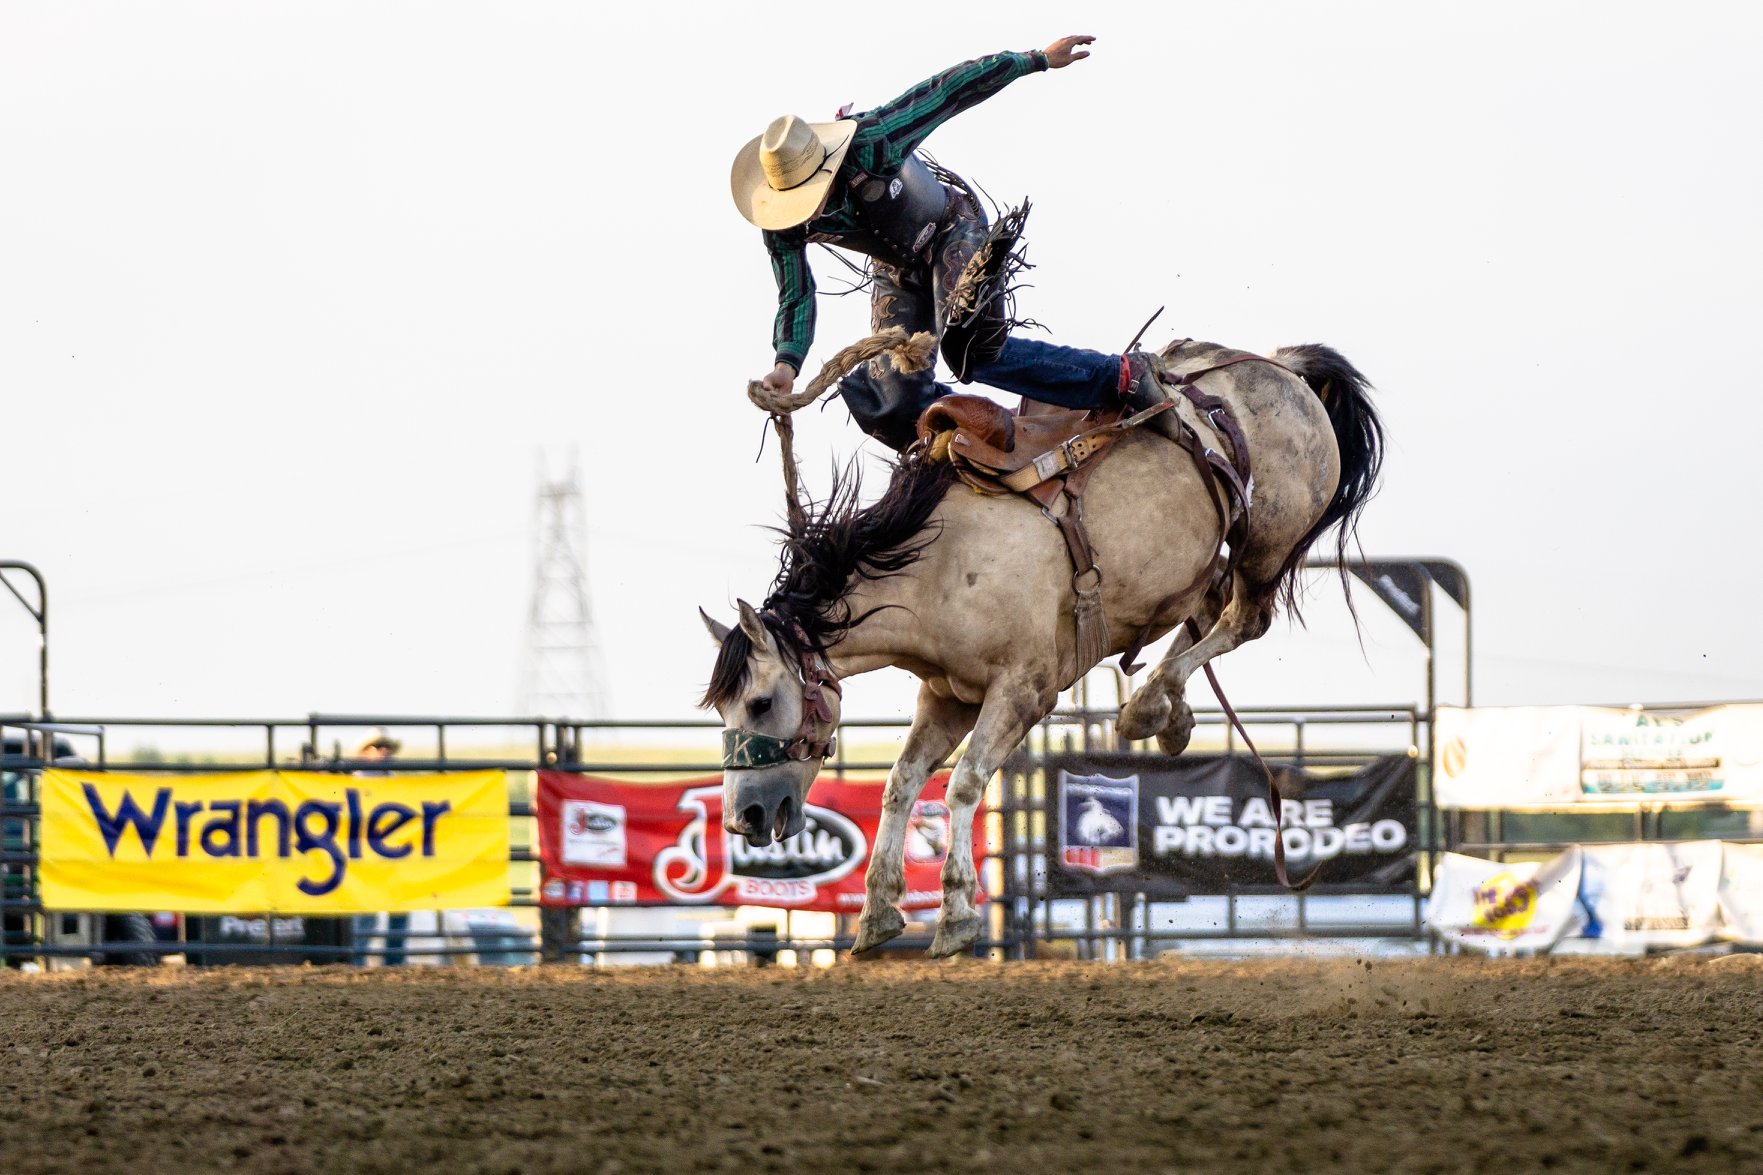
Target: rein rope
x: 746, y: 749
x: 908, y: 353
x: 1275, y: 801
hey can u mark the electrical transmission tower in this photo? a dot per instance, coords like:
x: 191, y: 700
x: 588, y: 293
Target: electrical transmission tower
x: 561, y: 675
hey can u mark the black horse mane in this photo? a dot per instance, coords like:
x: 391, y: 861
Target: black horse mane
x: 834, y: 544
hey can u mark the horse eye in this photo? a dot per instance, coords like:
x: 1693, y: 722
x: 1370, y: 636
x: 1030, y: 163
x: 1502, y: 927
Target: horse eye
x: 759, y: 707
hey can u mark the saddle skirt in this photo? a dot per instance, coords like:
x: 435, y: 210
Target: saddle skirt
x: 999, y: 451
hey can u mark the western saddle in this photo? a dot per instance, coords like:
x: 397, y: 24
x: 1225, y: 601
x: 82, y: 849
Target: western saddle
x: 1048, y: 454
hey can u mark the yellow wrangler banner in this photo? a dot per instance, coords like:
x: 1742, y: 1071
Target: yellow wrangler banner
x: 274, y: 842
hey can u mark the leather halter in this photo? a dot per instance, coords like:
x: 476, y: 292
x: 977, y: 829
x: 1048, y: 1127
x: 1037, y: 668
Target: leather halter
x: 743, y: 749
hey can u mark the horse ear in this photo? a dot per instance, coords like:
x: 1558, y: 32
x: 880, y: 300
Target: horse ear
x: 718, y: 631
x: 753, y: 626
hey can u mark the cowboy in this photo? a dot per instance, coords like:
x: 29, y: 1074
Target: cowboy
x: 858, y: 183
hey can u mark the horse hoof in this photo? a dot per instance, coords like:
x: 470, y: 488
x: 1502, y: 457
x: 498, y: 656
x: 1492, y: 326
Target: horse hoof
x: 1144, y: 715
x: 955, y: 937
x: 1173, y: 739
x: 1173, y: 742
x: 875, y: 929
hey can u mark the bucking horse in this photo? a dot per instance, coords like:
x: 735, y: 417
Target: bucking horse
x: 974, y: 593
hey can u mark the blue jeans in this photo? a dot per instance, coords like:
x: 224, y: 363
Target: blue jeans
x: 887, y: 406
x: 1070, y: 377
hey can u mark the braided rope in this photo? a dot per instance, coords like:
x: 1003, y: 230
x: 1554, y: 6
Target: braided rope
x: 908, y: 353
x: 913, y: 353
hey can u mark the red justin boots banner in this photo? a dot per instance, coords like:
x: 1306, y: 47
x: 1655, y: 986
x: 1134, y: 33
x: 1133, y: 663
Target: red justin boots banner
x: 609, y: 843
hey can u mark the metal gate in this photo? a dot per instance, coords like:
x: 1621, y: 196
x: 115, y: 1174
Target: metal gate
x: 1026, y: 920
x: 1030, y: 921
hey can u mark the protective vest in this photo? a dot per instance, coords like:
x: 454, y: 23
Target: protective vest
x: 898, y: 216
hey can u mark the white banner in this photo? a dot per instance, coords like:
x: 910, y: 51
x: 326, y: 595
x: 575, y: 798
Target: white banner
x: 1499, y: 908
x: 1741, y: 894
x: 1569, y: 756
x: 1652, y: 895
x: 1625, y: 898
x: 1514, y: 757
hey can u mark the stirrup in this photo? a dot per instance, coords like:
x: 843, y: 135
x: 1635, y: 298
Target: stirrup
x: 1142, y: 388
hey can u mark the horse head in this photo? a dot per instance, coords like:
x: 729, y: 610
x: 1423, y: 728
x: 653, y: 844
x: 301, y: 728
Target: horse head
x: 780, y: 706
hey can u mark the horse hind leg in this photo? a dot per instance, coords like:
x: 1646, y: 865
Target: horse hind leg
x: 1245, y: 618
x: 1159, y: 707
x: 1173, y: 739
x: 1150, y: 709
x: 1287, y: 507
x: 1255, y: 591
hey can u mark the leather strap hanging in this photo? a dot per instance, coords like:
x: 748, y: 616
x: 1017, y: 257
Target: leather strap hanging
x: 1274, y: 800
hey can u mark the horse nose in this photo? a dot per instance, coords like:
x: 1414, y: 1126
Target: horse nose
x: 789, y: 820
x: 748, y: 821
x: 764, y: 810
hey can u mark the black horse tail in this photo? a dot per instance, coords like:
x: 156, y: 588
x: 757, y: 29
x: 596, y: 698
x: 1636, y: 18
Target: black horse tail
x: 1358, y: 432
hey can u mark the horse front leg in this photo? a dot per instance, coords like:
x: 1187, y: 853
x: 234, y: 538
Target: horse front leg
x: 937, y: 726
x: 1004, y: 720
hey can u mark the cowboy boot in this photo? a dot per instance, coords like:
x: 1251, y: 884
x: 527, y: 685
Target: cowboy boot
x: 976, y: 306
x: 1140, y: 388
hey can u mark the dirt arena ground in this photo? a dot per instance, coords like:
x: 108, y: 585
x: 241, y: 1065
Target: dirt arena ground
x: 1415, y: 1065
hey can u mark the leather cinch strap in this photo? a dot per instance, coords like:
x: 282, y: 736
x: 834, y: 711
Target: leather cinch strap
x: 1274, y: 800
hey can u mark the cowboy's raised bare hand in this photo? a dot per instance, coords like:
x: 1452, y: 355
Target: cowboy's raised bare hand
x: 1064, y: 51
x: 780, y: 379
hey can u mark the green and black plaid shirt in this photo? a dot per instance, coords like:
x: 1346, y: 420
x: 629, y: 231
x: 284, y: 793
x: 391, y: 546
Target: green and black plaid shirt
x: 885, y: 137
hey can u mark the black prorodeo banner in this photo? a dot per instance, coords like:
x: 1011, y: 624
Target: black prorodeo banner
x: 1203, y: 825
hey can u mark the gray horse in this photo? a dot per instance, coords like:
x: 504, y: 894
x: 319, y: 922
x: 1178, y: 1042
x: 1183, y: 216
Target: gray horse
x: 973, y: 594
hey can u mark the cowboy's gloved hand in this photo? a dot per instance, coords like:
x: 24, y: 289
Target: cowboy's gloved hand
x: 1064, y: 51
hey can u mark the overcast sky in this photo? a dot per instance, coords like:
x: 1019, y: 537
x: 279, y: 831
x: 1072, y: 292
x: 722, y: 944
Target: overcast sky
x: 292, y: 296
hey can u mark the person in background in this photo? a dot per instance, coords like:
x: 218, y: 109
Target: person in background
x: 380, y: 747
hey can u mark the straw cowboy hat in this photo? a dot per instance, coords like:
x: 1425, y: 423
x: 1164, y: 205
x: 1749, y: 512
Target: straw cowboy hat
x: 377, y: 737
x: 780, y: 179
